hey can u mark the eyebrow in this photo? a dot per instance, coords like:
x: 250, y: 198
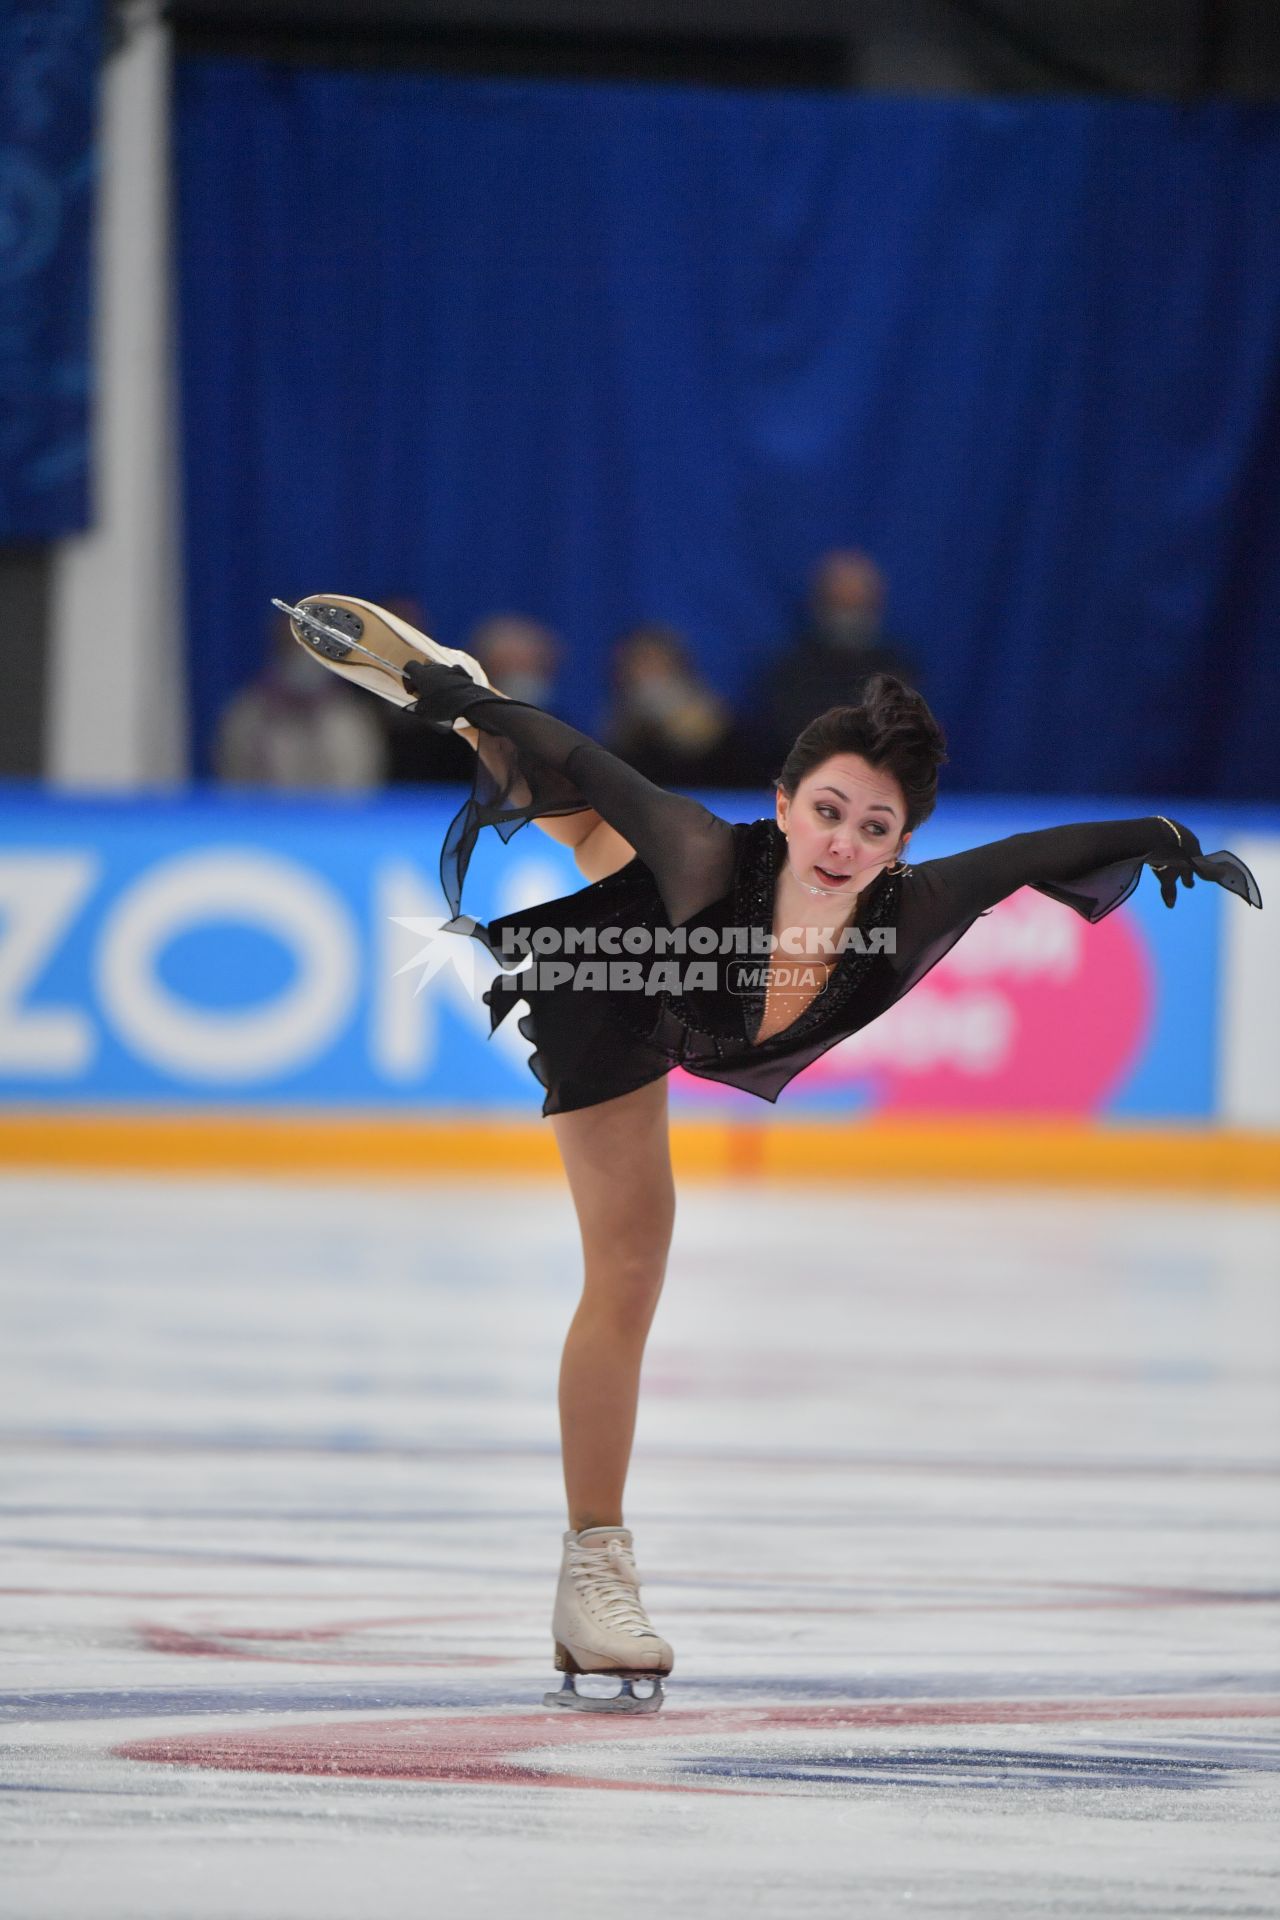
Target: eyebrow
x: 875, y: 806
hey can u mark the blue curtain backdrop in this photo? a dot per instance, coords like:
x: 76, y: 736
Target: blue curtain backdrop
x: 49, y: 57
x: 606, y: 354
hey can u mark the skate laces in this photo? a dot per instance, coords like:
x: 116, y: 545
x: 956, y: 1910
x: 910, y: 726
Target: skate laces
x: 607, y: 1580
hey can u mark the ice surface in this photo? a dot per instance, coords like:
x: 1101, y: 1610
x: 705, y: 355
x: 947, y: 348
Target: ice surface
x: 959, y: 1509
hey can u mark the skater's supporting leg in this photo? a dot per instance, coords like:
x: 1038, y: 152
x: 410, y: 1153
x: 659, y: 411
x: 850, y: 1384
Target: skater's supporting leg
x: 618, y: 1160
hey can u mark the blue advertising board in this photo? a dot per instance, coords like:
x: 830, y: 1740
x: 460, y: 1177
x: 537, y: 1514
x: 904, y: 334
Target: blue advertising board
x: 233, y: 950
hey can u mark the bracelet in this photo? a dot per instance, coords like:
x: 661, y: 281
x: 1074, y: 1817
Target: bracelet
x: 1177, y: 836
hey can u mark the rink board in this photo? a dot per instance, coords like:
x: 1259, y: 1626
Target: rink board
x: 243, y: 961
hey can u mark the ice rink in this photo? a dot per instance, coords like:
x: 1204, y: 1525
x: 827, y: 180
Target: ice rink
x: 959, y: 1508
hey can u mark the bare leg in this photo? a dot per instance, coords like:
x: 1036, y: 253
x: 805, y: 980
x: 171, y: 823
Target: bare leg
x: 597, y: 847
x: 617, y: 1156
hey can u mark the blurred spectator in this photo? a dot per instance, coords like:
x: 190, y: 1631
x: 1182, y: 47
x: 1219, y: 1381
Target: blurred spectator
x: 520, y: 658
x: 297, y: 726
x: 665, y: 720
x: 841, y: 645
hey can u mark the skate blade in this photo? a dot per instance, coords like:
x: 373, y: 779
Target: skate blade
x: 336, y: 637
x: 333, y: 634
x: 626, y: 1700
x: 367, y: 645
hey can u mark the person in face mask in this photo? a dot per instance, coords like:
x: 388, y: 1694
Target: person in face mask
x: 519, y: 655
x: 285, y: 732
x: 840, y: 645
x: 848, y: 601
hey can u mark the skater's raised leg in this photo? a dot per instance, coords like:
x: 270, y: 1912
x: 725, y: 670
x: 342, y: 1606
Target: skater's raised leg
x: 371, y: 645
x: 598, y: 848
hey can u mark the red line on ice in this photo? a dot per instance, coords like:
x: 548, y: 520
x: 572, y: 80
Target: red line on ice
x: 483, y: 1749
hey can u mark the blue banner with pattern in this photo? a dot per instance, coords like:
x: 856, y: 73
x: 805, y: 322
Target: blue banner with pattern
x: 50, y: 52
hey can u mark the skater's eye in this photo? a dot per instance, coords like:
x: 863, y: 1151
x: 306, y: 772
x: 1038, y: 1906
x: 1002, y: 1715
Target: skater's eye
x: 828, y: 812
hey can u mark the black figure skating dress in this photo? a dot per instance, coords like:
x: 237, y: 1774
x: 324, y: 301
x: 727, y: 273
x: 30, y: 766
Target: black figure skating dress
x: 714, y: 881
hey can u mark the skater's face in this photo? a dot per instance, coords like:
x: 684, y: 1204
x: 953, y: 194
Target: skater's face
x: 843, y: 824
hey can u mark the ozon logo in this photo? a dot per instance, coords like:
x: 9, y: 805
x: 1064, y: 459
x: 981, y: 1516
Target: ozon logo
x: 42, y: 894
x: 215, y: 1045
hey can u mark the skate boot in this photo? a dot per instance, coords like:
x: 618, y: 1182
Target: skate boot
x: 602, y: 1632
x: 370, y: 646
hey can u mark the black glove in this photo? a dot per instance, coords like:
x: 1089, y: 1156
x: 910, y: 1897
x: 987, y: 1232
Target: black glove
x: 1185, y: 861
x: 444, y: 693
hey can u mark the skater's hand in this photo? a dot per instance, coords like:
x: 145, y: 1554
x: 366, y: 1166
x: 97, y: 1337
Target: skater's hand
x: 1185, y: 861
x: 443, y: 692
x: 1177, y: 862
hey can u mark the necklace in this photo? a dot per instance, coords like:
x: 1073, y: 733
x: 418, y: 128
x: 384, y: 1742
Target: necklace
x: 820, y: 893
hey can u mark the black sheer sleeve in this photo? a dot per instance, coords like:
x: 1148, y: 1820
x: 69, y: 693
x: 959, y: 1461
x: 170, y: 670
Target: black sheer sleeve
x: 1091, y: 868
x: 529, y: 763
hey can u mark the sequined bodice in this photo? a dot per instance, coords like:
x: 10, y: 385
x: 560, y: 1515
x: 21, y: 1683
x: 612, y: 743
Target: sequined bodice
x: 722, y: 1022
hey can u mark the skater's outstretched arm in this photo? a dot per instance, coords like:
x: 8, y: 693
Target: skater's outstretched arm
x: 1090, y: 867
x: 688, y: 849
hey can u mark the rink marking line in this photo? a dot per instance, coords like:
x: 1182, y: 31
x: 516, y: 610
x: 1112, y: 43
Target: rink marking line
x: 892, y: 1600
x: 277, y: 1446
x: 277, y: 1645
x: 312, y: 1697
x: 479, y: 1749
x: 212, y: 1645
x: 377, y: 1146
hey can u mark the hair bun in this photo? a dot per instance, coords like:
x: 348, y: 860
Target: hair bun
x: 898, y: 710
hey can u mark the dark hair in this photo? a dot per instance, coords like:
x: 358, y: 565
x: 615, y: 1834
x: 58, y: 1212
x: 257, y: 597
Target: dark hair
x: 892, y: 728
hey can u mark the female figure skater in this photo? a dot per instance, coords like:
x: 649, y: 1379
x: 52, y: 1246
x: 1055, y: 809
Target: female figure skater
x: 671, y: 884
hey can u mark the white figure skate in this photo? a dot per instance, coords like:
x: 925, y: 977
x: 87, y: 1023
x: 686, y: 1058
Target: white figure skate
x: 370, y: 646
x: 602, y: 1631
